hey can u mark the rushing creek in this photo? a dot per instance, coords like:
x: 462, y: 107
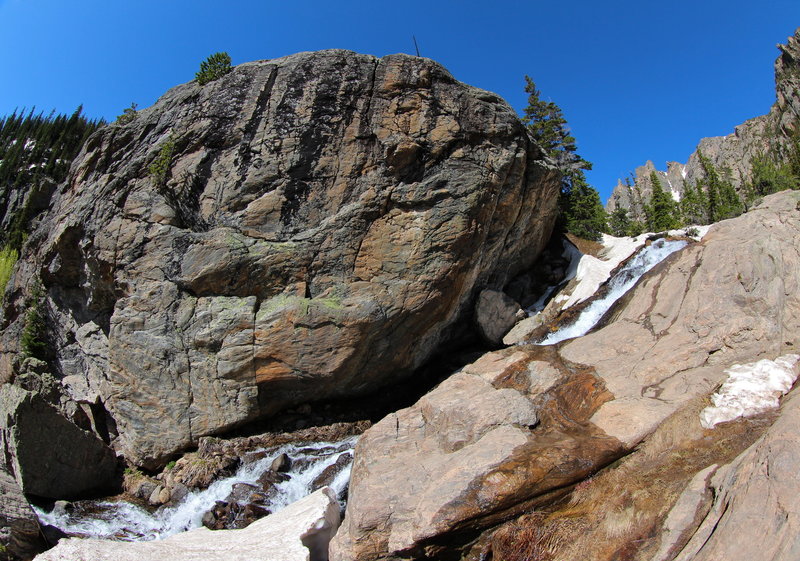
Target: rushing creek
x: 619, y: 284
x: 126, y: 521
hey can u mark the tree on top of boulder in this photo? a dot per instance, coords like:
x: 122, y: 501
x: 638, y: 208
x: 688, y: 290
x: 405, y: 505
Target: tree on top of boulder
x: 215, y: 66
x: 580, y: 210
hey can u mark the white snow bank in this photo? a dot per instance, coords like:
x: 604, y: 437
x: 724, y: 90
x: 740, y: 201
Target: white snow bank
x: 701, y: 232
x: 751, y: 389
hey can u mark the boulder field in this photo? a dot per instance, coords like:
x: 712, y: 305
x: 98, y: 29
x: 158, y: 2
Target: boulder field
x: 512, y: 432
x: 305, y: 228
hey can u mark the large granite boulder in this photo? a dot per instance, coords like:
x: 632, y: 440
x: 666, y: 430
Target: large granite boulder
x: 48, y: 455
x: 299, y: 532
x: 517, y: 427
x: 302, y: 228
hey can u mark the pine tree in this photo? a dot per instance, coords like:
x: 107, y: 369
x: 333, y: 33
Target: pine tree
x: 584, y: 214
x: 215, y: 66
x: 579, y: 204
x: 661, y: 212
x: 722, y: 201
x: 693, y: 204
x: 619, y: 222
x: 768, y: 176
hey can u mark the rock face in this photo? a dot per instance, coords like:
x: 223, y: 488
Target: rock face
x: 511, y: 430
x: 48, y: 455
x: 19, y: 527
x: 323, y: 220
x: 299, y: 532
x: 748, y: 509
x: 732, y: 154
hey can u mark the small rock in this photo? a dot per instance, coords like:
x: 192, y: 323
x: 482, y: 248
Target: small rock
x: 495, y: 314
x: 281, y: 464
x: 241, y: 492
x: 155, y: 497
x: 179, y: 492
x: 329, y: 473
x: 269, y: 479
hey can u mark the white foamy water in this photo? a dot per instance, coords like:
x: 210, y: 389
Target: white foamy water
x: 126, y: 521
x: 642, y: 262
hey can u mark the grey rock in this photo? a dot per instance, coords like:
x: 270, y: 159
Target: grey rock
x: 48, y: 455
x: 19, y: 526
x: 495, y: 314
x: 325, y: 219
x: 282, y: 463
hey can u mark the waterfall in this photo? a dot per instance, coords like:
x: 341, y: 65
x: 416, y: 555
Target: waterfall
x: 619, y: 284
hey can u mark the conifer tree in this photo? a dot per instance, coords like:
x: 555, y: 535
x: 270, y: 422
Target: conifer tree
x: 583, y: 213
x: 693, y: 204
x: 722, y: 200
x: 215, y: 66
x: 619, y: 223
x: 661, y: 212
x: 579, y: 204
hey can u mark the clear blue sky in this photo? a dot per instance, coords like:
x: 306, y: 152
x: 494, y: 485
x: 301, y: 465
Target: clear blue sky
x: 636, y: 80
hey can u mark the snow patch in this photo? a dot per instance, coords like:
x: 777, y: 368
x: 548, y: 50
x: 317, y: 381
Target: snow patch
x: 751, y: 389
x: 701, y: 232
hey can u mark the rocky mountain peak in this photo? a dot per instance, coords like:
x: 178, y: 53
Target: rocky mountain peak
x: 731, y: 155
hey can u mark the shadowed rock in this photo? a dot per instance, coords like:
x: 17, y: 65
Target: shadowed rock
x: 49, y: 456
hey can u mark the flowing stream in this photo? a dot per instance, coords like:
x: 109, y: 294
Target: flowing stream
x: 619, y: 284
x: 126, y: 521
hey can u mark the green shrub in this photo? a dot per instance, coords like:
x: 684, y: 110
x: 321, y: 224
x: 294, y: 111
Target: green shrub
x: 8, y: 257
x: 128, y: 115
x: 160, y: 167
x: 215, y: 66
x: 33, y: 340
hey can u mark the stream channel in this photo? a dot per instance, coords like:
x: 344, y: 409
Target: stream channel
x: 313, y: 464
